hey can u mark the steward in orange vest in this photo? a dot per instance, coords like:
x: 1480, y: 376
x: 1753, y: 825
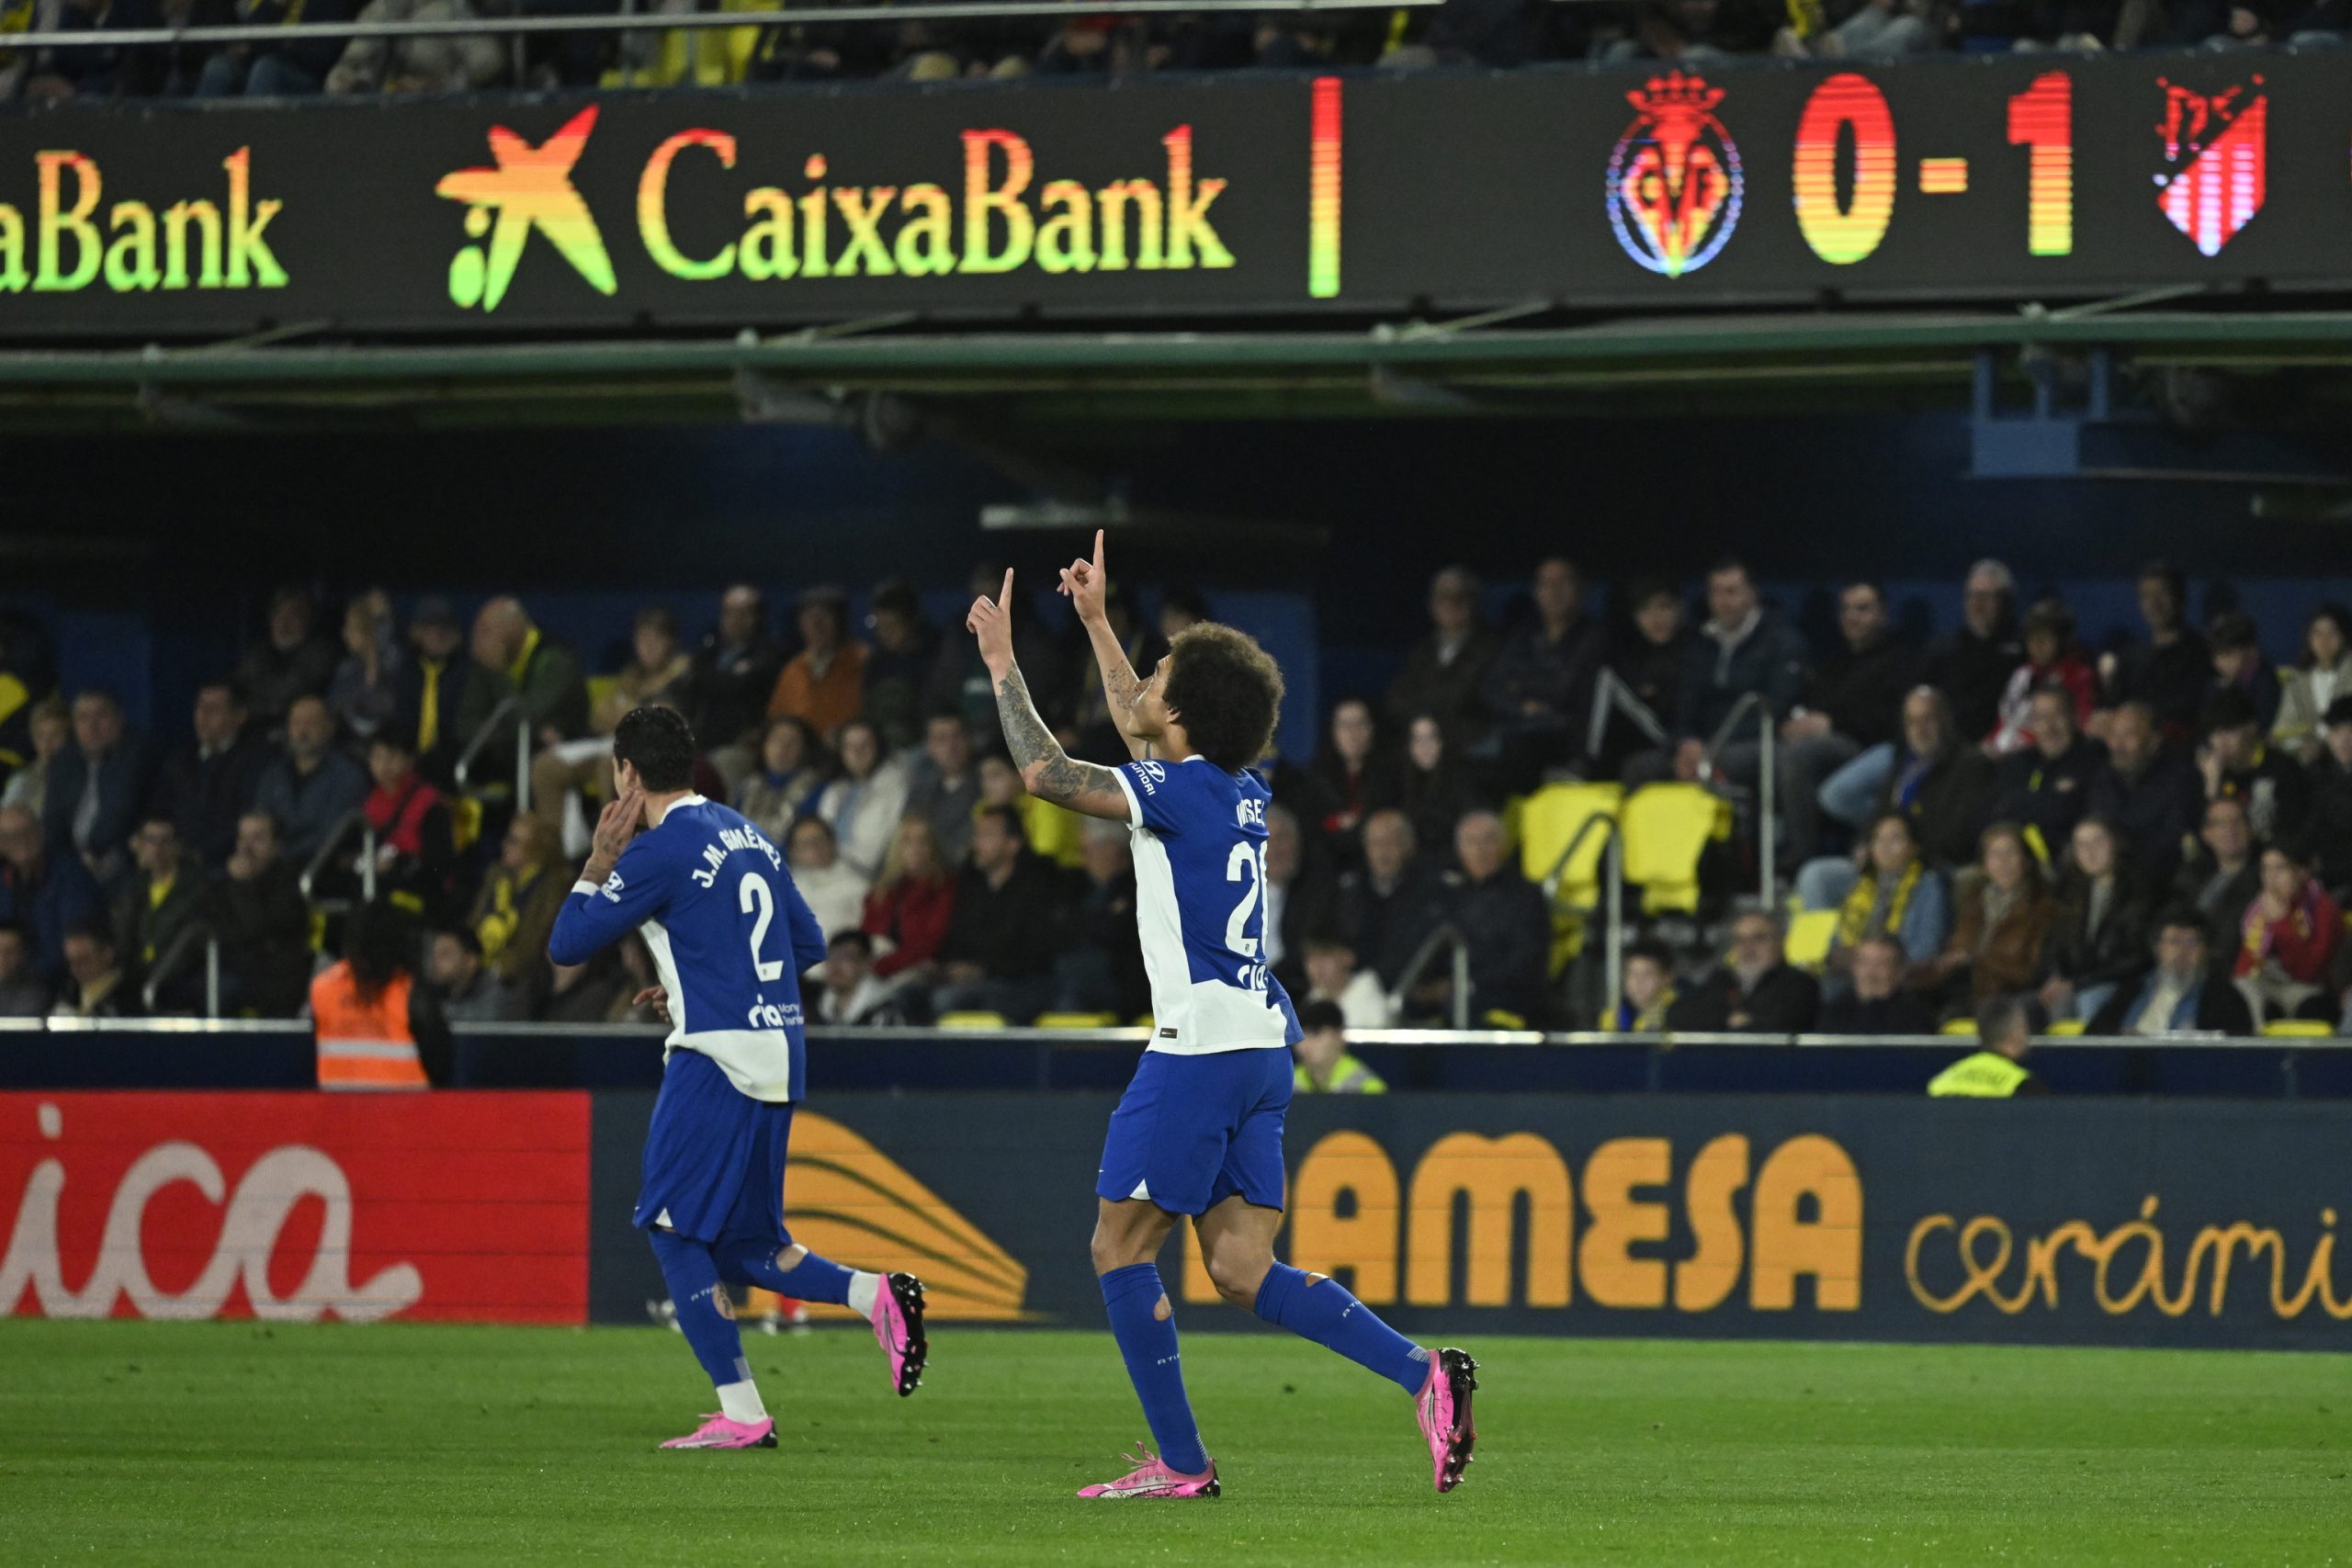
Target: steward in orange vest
x: 376, y: 1027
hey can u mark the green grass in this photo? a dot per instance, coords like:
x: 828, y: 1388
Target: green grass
x: 233, y: 1442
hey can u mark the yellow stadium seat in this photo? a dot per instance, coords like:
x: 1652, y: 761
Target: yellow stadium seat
x: 1550, y: 818
x: 2067, y: 1026
x: 600, y: 691
x: 972, y: 1021
x: 1496, y: 1018
x: 1666, y: 827
x: 1514, y: 818
x: 14, y: 694
x: 1958, y: 1026
x: 1811, y: 935
x: 707, y: 57
x: 1053, y: 831
x: 2297, y: 1029
x: 1077, y: 1021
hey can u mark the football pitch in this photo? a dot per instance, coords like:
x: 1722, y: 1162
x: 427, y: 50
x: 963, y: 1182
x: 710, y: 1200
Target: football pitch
x: 243, y: 1442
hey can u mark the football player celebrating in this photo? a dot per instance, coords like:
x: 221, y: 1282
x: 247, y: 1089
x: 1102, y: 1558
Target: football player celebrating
x: 1199, y: 1132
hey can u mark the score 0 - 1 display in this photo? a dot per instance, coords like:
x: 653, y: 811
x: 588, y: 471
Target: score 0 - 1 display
x: 1956, y: 177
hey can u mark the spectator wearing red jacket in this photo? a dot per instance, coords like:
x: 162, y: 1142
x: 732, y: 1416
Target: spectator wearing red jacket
x: 913, y: 904
x: 2052, y: 659
x: 2289, y: 936
x: 415, y: 856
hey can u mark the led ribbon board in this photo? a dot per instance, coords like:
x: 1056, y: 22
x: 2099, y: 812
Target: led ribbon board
x: 1253, y: 195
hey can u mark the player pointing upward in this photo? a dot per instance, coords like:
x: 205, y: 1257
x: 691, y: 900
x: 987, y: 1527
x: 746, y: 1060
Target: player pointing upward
x: 1199, y: 1132
x: 730, y: 935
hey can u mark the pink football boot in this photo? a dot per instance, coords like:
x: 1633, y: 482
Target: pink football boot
x: 1442, y: 1408
x: 897, y: 1328
x: 718, y: 1432
x: 1154, y: 1479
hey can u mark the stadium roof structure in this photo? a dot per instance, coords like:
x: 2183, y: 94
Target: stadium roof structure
x: 1496, y: 363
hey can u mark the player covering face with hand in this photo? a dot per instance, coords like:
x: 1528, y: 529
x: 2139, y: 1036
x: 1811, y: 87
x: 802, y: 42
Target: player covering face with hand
x: 1199, y: 1132
x: 730, y: 935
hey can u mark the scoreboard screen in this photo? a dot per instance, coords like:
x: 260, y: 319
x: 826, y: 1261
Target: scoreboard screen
x: 2016, y: 176
x: 1957, y: 179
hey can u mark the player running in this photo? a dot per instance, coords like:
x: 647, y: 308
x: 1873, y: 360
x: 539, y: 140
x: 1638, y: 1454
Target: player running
x: 730, y: 935
x: 1199, y: 1132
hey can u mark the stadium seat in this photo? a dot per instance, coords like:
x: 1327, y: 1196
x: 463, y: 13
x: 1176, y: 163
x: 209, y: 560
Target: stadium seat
x: 1957, y: 1026
x: 1077, y: 1021
x: 2297, y: 1029
x: 709, y: 57
x: 972, y: 1021
x: 1811, y: 935
x: 600, y: 691
x: 2067, y: 1026
x: 1666, y: 827
x: 1054, y: 831
x: 1554, y: 816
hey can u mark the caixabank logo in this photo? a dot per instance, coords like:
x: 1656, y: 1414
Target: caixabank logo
x: 1674, y: 179
x: 151, y: 239
x: 1000, y: 219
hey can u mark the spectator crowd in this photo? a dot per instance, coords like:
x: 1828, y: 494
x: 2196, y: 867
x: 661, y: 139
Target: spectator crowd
x: 2151, y: 838
x: 1458, y: 32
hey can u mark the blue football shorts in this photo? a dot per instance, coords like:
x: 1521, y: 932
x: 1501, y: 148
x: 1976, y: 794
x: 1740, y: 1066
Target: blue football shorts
x: 714, y: 1158
x: 1193, y: 1131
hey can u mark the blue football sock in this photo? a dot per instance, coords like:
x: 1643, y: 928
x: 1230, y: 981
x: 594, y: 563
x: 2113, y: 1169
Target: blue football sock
x: 692, y: 1277
x: 813, y: 1278
x: 1320, y: 1309
x: 1148, y: 1343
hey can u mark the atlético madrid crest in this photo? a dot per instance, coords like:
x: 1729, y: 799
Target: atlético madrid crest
x: 1674, y: 184
x: 2216, y: 156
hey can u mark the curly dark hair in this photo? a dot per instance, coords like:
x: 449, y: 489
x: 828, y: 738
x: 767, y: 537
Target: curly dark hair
x: 1226, y: 691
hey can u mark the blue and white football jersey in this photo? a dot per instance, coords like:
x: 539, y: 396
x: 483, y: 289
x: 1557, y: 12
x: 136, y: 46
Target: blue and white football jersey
x: 1200, y: 852
x: 728, y: 932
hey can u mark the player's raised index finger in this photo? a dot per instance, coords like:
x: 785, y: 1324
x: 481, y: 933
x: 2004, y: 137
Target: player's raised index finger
x: 1005, y: 596
x: 1098, y: 552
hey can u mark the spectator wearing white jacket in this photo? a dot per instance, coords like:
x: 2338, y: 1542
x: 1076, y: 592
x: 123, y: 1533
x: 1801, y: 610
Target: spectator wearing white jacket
x: 864, y: 804
x: 836, y: 894
x: 1332, y: 976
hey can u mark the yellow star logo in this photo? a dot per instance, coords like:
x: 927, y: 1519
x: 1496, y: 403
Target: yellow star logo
x: 529, y: 189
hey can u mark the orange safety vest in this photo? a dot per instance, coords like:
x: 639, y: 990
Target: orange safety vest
x: 364, y: 1045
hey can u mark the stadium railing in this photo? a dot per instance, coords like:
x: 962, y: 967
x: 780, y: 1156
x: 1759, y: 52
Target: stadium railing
x: 60, y: 1054
x: 1450, y: 941
x: 503, y: 720
x: 192, y: 941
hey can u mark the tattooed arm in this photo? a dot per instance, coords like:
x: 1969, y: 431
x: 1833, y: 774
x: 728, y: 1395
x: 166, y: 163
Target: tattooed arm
x: 1088, y: 587
x: 1044, y: 767
x: 1049, y: 771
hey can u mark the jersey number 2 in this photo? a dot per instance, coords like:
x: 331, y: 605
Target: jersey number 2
x: 755, y: 891
x: 1252, y: 860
